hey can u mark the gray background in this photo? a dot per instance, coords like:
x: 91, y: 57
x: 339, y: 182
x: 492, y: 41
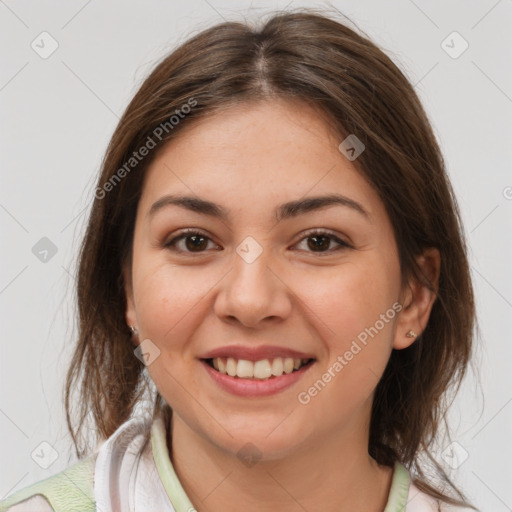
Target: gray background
x: 58, y: 114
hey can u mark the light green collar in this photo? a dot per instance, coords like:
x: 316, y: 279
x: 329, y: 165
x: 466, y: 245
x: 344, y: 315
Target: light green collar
x: 168, y: 476
x: 399, y: 491
x: 397, y: 500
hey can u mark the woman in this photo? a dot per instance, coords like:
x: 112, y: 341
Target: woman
x: 275, y: 240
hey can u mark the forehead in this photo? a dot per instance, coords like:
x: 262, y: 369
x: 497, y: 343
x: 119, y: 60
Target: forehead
x: 264, y: 152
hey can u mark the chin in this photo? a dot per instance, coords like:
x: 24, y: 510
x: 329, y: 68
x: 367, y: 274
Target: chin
x: 259, y: 440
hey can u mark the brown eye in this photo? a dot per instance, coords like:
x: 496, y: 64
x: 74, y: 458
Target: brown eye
x: 194, y: 241
x: 320, y: 241
x: 197, y: 242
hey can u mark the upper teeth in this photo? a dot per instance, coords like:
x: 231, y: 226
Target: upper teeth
x: 262, y: 369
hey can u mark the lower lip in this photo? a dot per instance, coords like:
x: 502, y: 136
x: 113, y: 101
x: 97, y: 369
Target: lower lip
x: 255, y: 387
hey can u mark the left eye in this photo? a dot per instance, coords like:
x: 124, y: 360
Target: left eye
x: 195, y: 241
x: 321, y: 239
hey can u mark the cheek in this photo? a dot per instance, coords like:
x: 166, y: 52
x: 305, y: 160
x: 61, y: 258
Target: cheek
x: 353, y: 311
x: 165, y: 296
x: 351, y: 298
x: 167, y: 303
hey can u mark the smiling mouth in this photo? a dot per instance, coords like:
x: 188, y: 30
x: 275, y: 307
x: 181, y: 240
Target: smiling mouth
x: 263, y: 369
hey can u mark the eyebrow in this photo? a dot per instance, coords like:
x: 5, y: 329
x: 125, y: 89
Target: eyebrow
x: 284, y: 211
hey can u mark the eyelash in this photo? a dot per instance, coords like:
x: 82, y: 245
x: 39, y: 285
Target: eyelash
x: 310, y: 234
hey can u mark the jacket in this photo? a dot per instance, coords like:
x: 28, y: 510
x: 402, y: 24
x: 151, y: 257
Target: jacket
x: 127, y: 474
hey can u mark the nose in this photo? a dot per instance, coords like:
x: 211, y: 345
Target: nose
x: 254, y: 293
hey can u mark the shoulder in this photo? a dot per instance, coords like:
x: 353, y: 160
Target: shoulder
x: 36, y: 503
x: 418, y: 501
x: 73, y: 487
x: 85, y: 486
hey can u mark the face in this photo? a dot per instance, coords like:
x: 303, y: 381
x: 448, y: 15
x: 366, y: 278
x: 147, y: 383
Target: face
x: 253, y: 285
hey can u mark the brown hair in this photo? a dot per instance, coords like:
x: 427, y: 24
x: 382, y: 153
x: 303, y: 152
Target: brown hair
x: 310, y: 57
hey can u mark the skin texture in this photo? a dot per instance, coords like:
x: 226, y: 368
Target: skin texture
x: 249, y: 160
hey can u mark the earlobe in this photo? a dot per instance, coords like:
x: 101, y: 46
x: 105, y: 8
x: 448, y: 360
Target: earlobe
x: 130, y: 316
x: 418, y: 300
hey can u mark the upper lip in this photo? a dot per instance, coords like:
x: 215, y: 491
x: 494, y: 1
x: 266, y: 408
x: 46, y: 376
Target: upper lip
x: 255, y: 353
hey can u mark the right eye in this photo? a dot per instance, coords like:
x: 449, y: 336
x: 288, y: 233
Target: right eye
x: 195, y: 241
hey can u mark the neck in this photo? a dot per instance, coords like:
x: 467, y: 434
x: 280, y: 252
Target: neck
x: 333, y: 474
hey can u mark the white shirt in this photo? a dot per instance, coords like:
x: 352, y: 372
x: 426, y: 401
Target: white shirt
x: 130, y: 477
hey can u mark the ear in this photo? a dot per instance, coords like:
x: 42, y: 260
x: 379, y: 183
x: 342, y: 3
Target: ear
x: 417, y: 300
x: 130, y: 315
